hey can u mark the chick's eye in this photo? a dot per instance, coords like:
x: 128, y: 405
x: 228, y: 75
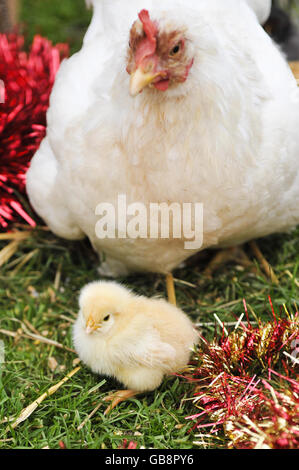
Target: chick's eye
x: 106, y: 317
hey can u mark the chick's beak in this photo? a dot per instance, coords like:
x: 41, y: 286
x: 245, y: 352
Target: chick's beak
x: 91, y: 326
x: 140, y: 80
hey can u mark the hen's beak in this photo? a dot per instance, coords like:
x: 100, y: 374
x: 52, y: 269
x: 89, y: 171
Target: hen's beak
x: 91, y: 326
x: 140, y: 80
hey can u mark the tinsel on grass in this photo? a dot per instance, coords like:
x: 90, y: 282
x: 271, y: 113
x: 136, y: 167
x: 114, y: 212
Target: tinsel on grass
x: 246, y: 386
x: 26, y: 80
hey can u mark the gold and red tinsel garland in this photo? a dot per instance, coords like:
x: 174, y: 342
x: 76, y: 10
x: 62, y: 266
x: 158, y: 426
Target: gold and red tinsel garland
x: 26, y: 81
x: 246, y: 389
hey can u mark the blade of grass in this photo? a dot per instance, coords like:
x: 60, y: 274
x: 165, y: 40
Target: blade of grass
x: 26, y: 412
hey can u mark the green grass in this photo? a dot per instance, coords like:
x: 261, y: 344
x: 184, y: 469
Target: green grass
x: 152, y: 420
x: 58, y: 20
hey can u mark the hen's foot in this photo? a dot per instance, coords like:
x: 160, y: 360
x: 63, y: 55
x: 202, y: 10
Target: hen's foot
x: 235, y: 254
x: 263, y: 262
x: 117, y: 398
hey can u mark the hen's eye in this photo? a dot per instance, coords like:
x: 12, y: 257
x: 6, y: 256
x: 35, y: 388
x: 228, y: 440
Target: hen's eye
x: 176, y: 49
x: 106, y: 317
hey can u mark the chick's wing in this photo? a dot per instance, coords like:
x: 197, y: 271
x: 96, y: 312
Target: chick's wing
x: 147, y: 350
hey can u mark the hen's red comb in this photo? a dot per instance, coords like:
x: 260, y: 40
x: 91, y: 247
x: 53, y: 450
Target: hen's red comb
x: 148, y: 45
x: 149, y: 27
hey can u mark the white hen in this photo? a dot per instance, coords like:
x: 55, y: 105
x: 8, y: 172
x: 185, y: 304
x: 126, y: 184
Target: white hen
x: 223, y: 133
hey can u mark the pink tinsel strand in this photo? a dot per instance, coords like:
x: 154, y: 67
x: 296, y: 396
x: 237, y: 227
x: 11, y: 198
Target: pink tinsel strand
x: 26, y: 83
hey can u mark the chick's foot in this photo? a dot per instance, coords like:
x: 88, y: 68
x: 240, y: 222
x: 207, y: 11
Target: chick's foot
x: 117, y: 398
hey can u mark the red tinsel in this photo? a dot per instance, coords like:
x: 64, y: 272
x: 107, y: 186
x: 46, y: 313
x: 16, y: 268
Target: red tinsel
x: 26, y: 80
x: 128, y: 445
x: 239, y: 395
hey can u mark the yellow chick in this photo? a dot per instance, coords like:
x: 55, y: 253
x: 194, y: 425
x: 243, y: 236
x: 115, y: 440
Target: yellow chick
x: 135, y: 339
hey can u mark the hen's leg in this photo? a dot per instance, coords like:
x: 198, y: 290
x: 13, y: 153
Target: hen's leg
x: 117, y: 398
x: 170, y: 289
x: 263, y: 262
x: 235, y: 254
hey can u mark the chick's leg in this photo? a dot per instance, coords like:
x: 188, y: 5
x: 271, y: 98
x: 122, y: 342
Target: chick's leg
x: 118, y: 397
